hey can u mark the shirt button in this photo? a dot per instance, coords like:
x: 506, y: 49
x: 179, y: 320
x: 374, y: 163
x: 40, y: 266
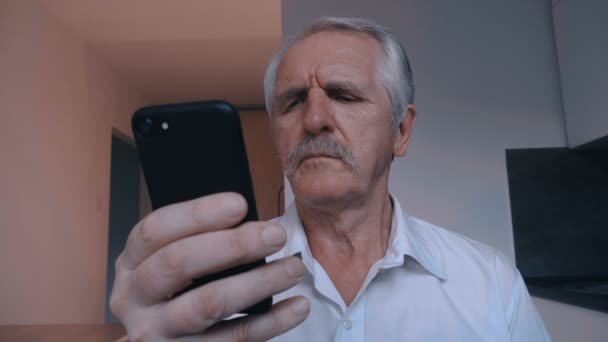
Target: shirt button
x: 347, y: 323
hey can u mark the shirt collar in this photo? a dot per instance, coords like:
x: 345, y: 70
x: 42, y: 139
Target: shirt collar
x: 416, y: 241
x: 407, y: 238
x: 297, y: 242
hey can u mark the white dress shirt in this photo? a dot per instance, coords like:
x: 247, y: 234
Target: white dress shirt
x: 432, y: 285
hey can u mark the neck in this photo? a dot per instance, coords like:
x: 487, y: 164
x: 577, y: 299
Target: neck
x: 348, y: 237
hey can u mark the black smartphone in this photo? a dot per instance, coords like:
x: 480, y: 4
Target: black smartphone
x: 191, y: 150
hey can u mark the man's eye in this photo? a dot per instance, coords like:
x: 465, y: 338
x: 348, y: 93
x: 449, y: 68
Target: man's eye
x: 341, y: 96
x: 344, y: 98
x: 294, y: 103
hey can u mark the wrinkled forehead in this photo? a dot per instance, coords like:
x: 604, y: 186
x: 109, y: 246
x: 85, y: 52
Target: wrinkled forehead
x: 352, y: 56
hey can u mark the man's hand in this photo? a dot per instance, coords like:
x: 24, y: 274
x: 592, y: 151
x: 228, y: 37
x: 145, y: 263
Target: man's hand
x: 188, y: 240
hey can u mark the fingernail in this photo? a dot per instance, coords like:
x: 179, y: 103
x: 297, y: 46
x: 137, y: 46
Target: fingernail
x: 238, y: 205
x: 301, y: 307
x: 295, y: 267
x: 274, y: 236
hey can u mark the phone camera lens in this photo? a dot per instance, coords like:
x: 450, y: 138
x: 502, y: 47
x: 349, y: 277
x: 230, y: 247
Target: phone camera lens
x: 145, y: 126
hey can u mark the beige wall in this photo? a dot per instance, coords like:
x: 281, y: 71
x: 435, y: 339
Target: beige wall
x: 58, y: 106
x: 265, y: 167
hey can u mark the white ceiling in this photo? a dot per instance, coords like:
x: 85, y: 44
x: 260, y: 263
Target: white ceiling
x: 181, y: 50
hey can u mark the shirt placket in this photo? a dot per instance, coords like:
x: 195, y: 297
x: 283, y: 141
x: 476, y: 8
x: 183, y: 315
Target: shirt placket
x: 351, y: 327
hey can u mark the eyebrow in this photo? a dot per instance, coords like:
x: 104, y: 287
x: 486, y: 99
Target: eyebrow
x: 345, y: 86
x: 294, y: 92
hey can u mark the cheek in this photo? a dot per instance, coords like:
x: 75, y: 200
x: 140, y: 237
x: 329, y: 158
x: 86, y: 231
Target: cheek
x: 283, y: 140
x: 369, y: 134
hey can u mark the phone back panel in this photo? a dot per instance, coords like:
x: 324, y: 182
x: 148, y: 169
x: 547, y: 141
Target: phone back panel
x: 192, y: 150
x: 201, y: 152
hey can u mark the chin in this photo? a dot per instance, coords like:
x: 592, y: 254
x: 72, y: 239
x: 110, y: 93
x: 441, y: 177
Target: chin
x: 321, y: 187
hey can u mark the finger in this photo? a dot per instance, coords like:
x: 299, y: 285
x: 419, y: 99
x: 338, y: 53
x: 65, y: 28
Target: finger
x: 172, y: 267
x: 180, y: 220
x: 198, y: 309
x: 283, y: 317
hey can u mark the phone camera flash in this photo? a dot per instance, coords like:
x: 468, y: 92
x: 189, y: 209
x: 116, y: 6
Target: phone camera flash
x: 165, y: 125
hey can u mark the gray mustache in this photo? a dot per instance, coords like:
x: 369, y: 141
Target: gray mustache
x: 319, y: 145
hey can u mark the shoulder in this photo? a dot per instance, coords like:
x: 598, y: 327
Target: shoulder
x: 476, y: 270
x: 457, y: 250
x: 472, y: 263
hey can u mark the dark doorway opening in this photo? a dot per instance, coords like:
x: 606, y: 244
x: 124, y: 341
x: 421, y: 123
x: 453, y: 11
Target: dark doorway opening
x: 124, y: 204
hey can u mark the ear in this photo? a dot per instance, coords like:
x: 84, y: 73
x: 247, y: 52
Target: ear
x: 404, y: 132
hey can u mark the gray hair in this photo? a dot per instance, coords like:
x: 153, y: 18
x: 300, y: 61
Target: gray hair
x: 395, y: 71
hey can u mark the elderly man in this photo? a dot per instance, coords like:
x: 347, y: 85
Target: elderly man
x: 347, y: 263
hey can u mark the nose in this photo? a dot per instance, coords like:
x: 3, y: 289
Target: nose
x: 318, y: 116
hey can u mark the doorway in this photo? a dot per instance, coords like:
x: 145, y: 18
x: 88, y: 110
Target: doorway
x: 124, y: 204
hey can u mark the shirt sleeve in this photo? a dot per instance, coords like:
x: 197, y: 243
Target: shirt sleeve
x: 524, y: 322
